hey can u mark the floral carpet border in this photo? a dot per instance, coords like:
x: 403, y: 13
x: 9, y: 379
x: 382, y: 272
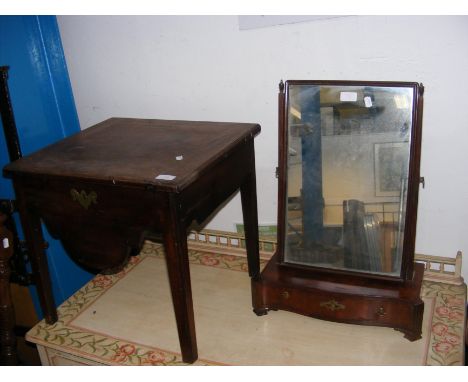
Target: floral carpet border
x: 445, y: 345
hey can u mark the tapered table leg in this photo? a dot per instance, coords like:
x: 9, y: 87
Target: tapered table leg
x: 175, y: 245
x: 249, y: 211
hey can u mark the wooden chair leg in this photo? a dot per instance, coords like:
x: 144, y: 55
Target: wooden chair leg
x: 8, y: 353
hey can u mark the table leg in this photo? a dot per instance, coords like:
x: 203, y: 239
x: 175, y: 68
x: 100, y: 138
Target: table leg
x: 175, y: 245
x: 249, y: 211
x: 32, y: 229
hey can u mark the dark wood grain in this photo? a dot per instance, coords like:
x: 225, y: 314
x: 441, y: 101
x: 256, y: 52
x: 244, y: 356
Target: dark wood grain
x: 413, y: 185
x: 136, y: 151
x: 282, y: 170
x: 359, y: 300
x: 249, y: 211
x: 96, y: 191
x: 175, y: 244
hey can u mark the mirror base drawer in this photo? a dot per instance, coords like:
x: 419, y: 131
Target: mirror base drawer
x: 381, y: 303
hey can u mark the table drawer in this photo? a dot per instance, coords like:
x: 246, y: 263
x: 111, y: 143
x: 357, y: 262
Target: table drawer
x: 99, y: 225
x: 111, y: 203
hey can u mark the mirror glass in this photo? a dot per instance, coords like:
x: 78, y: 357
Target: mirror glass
x: 347, y: 176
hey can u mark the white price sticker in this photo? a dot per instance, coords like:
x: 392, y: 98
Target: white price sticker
x: 368, y: 101
x: 165, y: 177
x: 348, y: 96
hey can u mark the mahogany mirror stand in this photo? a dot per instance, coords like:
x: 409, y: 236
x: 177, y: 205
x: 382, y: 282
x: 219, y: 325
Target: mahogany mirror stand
x: 348, y: 181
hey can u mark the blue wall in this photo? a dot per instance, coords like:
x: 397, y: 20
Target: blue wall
x: 45, y: 112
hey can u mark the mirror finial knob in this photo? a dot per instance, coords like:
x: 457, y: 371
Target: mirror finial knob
x: 281, y: 86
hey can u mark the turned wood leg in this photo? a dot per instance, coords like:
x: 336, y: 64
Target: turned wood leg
x: 8, y: 354
x: 249, y: 211
x: 32, y: 229
x: 175, y: 245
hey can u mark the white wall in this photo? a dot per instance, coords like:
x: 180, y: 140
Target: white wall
x: 204, y: 68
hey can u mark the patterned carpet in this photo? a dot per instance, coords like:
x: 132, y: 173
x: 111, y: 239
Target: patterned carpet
x: 444, y: 342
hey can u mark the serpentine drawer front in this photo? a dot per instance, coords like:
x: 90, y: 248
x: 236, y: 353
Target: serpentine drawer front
x: 341, y: 307
x: 105, y: 189
x: 396, y: 306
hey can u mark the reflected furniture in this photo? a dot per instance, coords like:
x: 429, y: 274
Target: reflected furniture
x: 104, y: 190
x: 349, y: 154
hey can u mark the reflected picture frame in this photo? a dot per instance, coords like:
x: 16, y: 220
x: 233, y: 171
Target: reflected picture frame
x: 388, y: 159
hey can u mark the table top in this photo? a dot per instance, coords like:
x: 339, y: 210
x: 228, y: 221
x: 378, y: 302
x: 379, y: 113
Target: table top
x: 167, y: 154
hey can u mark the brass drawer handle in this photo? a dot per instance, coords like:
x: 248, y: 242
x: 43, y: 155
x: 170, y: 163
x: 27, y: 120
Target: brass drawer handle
x: 285, y: 294
x: 84, y: 199
x: 332, y: 305
x: 380, y: 311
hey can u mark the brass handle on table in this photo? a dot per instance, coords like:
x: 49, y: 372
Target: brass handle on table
x: 380, y: 311
x: 332, y: 305
x: 83, y: 198
x: 285, y: 294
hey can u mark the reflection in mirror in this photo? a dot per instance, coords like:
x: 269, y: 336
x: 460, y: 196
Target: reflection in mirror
x: 348, y: 159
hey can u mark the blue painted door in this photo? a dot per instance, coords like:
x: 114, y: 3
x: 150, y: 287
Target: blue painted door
x: 44, y: 112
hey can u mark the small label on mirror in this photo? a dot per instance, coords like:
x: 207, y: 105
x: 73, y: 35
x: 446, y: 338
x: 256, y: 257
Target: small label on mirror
x: 368, y: 101
x: 348, y: 96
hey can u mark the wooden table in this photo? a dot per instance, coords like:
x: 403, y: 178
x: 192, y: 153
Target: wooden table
x: 105, y: 189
